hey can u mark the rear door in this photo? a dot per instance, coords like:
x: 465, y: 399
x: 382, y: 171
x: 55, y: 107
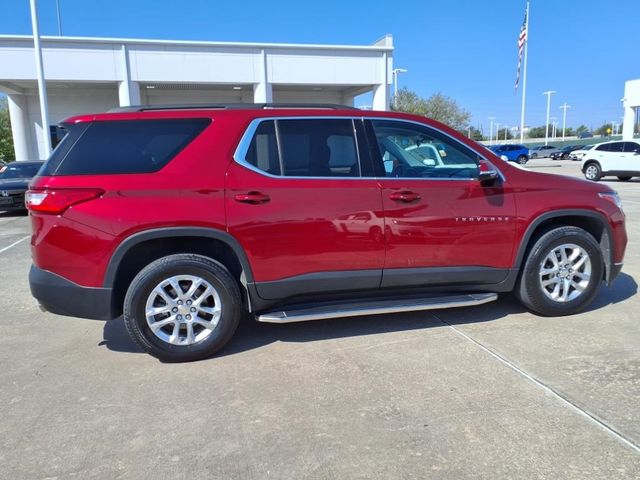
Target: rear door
x: 441, y: 225
x: 614, y: 157
x: 298, y: 202
x: 631, y: 157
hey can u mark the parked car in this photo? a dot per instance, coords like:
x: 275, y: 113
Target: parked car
x: 585, y: 135
x: 565, y: 152
x: 542, y: 151
x: 578, y: 154
x: 512, y: 153
x: 186, y: 219
x: 14, y: 181
x: 618, y: 159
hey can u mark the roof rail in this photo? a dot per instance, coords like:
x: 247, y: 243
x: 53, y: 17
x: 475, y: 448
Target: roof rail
x: 230, y: 106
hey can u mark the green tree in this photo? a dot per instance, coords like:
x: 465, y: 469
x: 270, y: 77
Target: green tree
x: 538, y: 132
x: 476, y: 134
x: 6, y: 138
x: 438, y: 106
x: 604, y: 130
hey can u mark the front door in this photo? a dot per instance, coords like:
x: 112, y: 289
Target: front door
x: 298, y: 203
x: 442, y: 226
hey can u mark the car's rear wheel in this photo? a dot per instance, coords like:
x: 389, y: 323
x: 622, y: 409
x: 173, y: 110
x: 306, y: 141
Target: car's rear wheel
x: 592, y: 172
x: 624, y: 179
x: 182, y: 307
x: 522, y: 159
x: 534, y: 155
x: 562, y: 273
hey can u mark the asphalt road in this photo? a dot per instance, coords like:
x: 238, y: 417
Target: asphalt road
x: 485, y: 392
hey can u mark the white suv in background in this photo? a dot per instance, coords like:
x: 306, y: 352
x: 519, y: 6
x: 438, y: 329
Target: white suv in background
x: 619, y: 159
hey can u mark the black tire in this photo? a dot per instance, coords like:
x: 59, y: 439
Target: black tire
x: 182, y: 264
x: 592, y: 171
x: 529, y: 289
x: 624, y: 179
x: 522, y: 159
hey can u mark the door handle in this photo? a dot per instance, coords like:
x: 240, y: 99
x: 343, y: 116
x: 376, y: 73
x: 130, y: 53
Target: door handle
x: 253, y: 198
x: 404, y: 196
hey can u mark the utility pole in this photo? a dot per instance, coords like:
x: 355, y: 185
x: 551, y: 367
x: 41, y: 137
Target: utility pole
x: 497, y: 132
x: 59, y: 20
x: 548, y: 94
x: 564, y: 107
x: 42, y: 87
x: 491, y: 119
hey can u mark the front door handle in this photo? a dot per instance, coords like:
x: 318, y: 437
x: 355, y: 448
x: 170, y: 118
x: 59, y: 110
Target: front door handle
x: 253, y: 198
x: 404, y: 196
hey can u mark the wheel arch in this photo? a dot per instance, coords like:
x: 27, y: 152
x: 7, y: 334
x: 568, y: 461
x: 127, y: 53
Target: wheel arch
x: 141, y: 248
x: 592, y: 222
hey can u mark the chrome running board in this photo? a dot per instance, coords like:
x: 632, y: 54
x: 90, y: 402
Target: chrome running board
x: 375, y: 307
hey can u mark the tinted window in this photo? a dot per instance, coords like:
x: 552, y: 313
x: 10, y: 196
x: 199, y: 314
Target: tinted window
x: 132, y: 146
x: 413, y: 151
x: 604, y: 148
x: 631, y: 147
x: 616, y: 147
x: 263, y: 150
x: 305, y: 148
x: 19, y: 170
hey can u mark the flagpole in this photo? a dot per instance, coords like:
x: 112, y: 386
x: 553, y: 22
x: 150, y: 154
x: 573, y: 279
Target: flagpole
x: 524, y: 78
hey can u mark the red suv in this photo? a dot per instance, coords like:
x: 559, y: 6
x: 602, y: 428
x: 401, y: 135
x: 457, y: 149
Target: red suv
x: 182, y: 219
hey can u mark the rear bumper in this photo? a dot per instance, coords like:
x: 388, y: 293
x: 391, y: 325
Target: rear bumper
x: 58, y: 295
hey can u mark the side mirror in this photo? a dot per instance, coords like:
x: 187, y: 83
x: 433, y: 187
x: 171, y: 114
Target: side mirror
x: 487, y: 173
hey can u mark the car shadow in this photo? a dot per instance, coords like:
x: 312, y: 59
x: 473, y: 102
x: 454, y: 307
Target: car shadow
x: 13, y: 213
x: 251, y: 335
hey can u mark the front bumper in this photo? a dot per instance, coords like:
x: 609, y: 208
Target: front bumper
x: 58, y: 295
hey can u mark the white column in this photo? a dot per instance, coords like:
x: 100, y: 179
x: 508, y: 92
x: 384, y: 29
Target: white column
x: 262, y: 91
x: 627, y: 127
x: 347, y: 100
x: 19, y: 114
x: 128, y: 90
x: 128, y: 93
x: 381, y: 91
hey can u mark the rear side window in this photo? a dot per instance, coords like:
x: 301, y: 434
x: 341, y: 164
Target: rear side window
x: 305, y: 148
x: 116, y: 147
x: 631, y: 147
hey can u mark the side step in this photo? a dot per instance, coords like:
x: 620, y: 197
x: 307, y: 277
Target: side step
x: 375, y: 307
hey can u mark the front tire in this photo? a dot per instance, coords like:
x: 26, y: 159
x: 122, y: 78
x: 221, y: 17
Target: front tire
x: 182, y: 307
x: 522, y: 159
x: 562, y: 273
x: 593, y: 172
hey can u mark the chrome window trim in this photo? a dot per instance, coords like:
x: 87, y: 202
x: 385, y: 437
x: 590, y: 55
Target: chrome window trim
x: 245, y: 141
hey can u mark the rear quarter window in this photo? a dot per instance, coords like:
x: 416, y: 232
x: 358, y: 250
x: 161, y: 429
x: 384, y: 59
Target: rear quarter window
x: 118, y: 147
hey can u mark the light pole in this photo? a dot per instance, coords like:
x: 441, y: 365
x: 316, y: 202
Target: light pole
x: 59, y: 20
x: 553, y: 128
x: 491, y: 119
x: 548, y: 94
x: 506, y: 129
x: 564, y: 107
x: 497, y: 132
x: 395, y: 73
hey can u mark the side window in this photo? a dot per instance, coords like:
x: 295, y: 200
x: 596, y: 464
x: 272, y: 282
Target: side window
x: 263, y: 150
x: 616, y: 147
x: 631, y: 147
x: 305, y: 148
x: 604, y: 148
x: 414, y: 151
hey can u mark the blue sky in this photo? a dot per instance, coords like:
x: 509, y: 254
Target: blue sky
x: 585, y: 50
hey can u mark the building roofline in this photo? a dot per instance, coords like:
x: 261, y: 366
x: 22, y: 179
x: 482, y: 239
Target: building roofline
x: 379, y: 46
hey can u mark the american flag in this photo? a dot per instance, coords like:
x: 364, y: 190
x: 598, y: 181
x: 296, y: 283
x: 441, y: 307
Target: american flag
x: 522, y: 39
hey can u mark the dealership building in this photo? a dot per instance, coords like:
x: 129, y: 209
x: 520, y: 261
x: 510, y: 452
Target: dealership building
x: 631, y: 103
x: 86, y: 75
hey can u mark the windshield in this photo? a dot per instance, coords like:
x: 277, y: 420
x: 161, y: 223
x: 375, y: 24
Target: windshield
x: 15, y: 170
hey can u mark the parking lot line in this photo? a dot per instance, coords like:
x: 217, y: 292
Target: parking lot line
x: 14, y: 244
x: 600, y: 423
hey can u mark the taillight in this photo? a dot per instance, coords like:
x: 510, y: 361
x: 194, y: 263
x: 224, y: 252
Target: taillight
x: 56, y: 201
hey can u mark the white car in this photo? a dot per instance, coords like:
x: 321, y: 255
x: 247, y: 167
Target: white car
x: 619, y: 159
x: 579, y: 154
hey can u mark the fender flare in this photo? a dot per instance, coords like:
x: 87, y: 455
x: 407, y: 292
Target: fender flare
x: 605, y: 242
x: 171, y: 232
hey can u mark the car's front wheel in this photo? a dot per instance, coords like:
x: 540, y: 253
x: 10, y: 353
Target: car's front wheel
x: 182, y: 307
x: 593, y: 172
x: 522, y: 159
x: 562, y: 273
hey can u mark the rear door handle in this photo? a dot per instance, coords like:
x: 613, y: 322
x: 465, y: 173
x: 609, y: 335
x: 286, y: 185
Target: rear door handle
x: 404, y: 196
x: 253, y: 198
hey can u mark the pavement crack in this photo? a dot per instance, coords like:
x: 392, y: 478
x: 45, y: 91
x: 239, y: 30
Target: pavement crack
x: 564, y: 399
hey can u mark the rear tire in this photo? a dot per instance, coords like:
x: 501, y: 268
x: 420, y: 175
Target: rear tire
x: 182, y: 308
x: 522, y: 159
x: 592, y: 171
x: 624, y: 179
x: 562, y: 273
